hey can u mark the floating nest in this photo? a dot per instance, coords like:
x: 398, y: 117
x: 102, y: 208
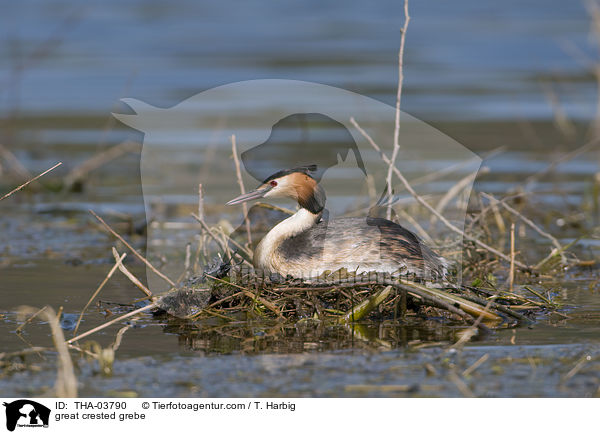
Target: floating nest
x: 235, y: 293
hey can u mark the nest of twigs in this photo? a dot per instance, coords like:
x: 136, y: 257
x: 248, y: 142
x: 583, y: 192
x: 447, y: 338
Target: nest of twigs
x: 342, y: 297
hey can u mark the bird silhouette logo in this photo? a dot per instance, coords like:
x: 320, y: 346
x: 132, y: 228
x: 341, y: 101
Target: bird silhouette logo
x: 277, y: 125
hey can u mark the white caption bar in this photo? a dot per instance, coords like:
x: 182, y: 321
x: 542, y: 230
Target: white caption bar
x: 248, y: 415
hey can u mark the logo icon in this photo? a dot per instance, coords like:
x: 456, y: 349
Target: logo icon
x: 26, y: 413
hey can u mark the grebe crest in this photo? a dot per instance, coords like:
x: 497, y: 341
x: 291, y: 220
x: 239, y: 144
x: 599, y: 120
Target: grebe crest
x: 306, y: 245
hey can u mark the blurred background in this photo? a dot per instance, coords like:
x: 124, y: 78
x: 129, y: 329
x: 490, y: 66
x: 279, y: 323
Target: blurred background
x: 515, y: 81
x: 66, y: 64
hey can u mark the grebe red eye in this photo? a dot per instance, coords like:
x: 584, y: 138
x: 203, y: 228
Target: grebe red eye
x: 273, y: 183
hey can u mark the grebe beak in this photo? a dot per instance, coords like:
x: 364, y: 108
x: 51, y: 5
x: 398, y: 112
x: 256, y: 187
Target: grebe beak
x: 255, y: 194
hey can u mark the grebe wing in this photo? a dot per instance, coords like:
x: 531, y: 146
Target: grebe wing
x: 360, y: 242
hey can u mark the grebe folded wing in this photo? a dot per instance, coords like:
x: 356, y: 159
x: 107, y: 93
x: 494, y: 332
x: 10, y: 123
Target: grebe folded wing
x: 306, y: 245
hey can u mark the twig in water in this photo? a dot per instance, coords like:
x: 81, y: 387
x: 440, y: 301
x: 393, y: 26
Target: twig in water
x: 555, y: 252
x: 469, y: 333
x: 111, y: 322
x: 540, y: 296
x: 66, y: 382
x: 31, y: 350
x: 117, y: 343
x: 106, y: 279
x: 461, y: 385
x: 135, y: 252
x: 28, y: 320
x: 419, y: 199
x: 129, y: 275
x: 30, y: 181
x: 576, y: 368
x: 392, y: 163
x: 475, y: 365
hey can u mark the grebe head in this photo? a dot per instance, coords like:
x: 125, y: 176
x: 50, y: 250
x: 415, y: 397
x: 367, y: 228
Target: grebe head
x: 295, y: 183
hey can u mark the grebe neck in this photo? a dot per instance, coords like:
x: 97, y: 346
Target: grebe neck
x: 301, y: 221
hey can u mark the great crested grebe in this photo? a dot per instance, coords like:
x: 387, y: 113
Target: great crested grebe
x: 305, y: 245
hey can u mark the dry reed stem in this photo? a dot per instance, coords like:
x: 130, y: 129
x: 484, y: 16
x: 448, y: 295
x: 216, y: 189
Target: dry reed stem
x: 498, y: 218
x: 461, y: 385
x: 475, y: 365
x: 24, y: 352
x: 209, y: 231
x: 434, y: 176
x: 238, y: 173
x: 529, y: 223
x: 594, y: 11
x: 467, y: 309
x: 471, y: 331
x: 113, y: 321
x: 66, y: 382
x: 511, y: 278
x: 187, y: 264
x: 14, y: 163
x: 28, y: 320
x: 553, y: 253
x: 418, y: 228
x: 429, y: 207
x: 30, y: 181
x: 20, y: 336
x: 224, y: 299
x: 364, y: 308
x: 130, y: 275
x: 83, y: 351
x: 97, y: 291
x: 567, y: 157
x: 384, y: 388
x: 561, y: 120
x: 398, y: 101
x: 225, y: 241
x: 135, y: 252
x: 228, y: 239
x: 117, y: 343
x: 99, y: 160
x: 485, y: 210
x: 583, y: 361
x: 250, y: 295
x: 456, y: 189
x: 222, y: 245
x: 200, y: 202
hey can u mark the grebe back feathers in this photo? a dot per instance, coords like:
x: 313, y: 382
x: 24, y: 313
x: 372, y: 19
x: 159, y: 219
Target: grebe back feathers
x: 306, y: 245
